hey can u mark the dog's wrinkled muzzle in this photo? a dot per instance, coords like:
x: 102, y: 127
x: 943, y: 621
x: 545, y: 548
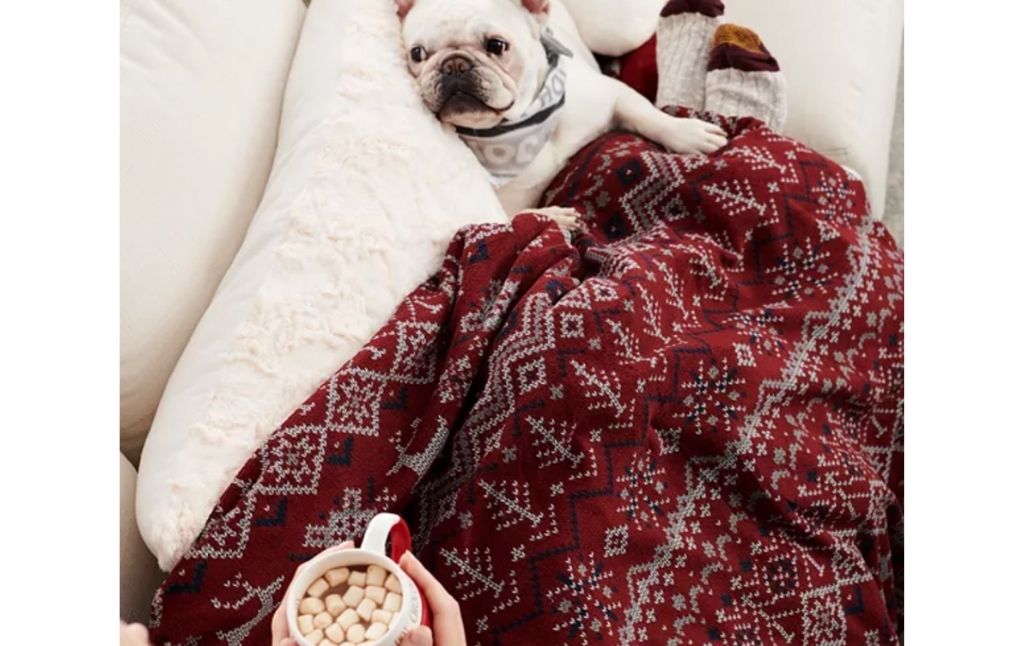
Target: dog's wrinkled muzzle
x: 460, y: 84
x: 456, y: 65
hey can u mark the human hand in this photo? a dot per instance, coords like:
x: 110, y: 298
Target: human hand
x: 134, y: 635
x: 446, y: 617
x: 279, y: 626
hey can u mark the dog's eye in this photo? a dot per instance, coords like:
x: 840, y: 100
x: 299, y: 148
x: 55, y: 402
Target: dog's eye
x: 418, y: 54
x: 496, y: 46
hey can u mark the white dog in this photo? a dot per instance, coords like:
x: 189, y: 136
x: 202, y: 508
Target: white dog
x: 524, y: 92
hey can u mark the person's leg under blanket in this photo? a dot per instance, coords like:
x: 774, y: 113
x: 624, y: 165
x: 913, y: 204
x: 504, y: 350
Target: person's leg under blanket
x: 743, y: 79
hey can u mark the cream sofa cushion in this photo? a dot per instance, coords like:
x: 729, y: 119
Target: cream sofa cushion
x: 842, y: 62
x: 201, y: 87
x: 366, y: 193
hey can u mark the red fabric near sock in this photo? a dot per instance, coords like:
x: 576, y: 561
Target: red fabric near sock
x: 710, y: 8
x: 639, y: 69
x: 731, y: 57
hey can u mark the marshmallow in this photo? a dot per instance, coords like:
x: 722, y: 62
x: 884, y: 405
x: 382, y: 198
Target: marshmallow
x: 305, y: 624
x: 348, y: 618
x: 356, y: 634
x: 353, y: 595
x: 375, y: 575
x: 315, y: 637
x: 381, y: 617
x: 392, y: 583
x: 376, y: 631
x: 392, y: 602
x: 376, y: 593
x: 366, y: 608
x: 357, y: 578
x: 334, y: 604
x: 318, y: 588
x: 326, y: 642
x: 337, y: 576
x: 335, y: 633
x: 323, y: 620
x: 311, y: 606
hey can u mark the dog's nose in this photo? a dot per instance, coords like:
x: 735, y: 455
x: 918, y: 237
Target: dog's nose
x: 456, y: 64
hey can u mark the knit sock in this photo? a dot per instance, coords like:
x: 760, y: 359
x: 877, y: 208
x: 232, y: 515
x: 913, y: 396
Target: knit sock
x: 685, y: 33
x: 743, y: 78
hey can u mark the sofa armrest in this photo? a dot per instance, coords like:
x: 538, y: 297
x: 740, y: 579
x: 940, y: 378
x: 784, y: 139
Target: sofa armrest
x: 140, y: 575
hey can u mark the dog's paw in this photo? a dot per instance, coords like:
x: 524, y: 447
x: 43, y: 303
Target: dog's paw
x: 568, y: 220
x: 688, y: 136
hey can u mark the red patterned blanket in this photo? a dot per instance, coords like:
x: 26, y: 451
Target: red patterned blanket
x: 684, y: 428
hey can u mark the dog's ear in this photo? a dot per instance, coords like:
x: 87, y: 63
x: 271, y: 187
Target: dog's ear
x: 538, y: 7
x: 404, y: 6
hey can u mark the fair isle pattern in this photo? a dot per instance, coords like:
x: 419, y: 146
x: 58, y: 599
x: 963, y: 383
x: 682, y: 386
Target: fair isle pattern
x: 685, y: 427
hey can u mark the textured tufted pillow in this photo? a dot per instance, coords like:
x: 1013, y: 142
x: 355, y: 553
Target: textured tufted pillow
x: 201, y: 88
x: 366, y: 191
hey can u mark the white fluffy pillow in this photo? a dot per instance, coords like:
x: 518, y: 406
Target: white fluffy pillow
x: 366, y: 192
x: 201, y: 89
x: 615, y: 27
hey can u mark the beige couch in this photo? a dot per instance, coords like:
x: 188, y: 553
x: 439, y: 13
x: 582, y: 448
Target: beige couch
x: 139, y: 574
x: 202, y: 85
x: 201, y: 88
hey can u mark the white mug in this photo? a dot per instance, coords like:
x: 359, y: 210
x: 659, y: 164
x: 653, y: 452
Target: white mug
x: 370, y: 552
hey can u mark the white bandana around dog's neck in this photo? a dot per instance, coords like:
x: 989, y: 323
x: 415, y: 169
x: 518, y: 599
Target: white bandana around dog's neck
x: 509, y: 147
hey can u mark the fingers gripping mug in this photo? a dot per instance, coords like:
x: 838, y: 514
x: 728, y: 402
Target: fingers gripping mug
x: 372, y: 551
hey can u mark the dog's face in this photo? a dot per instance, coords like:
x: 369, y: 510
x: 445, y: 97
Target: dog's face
x: 477, y: 62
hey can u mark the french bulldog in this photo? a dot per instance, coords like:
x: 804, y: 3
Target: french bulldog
x: 516, y: 81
